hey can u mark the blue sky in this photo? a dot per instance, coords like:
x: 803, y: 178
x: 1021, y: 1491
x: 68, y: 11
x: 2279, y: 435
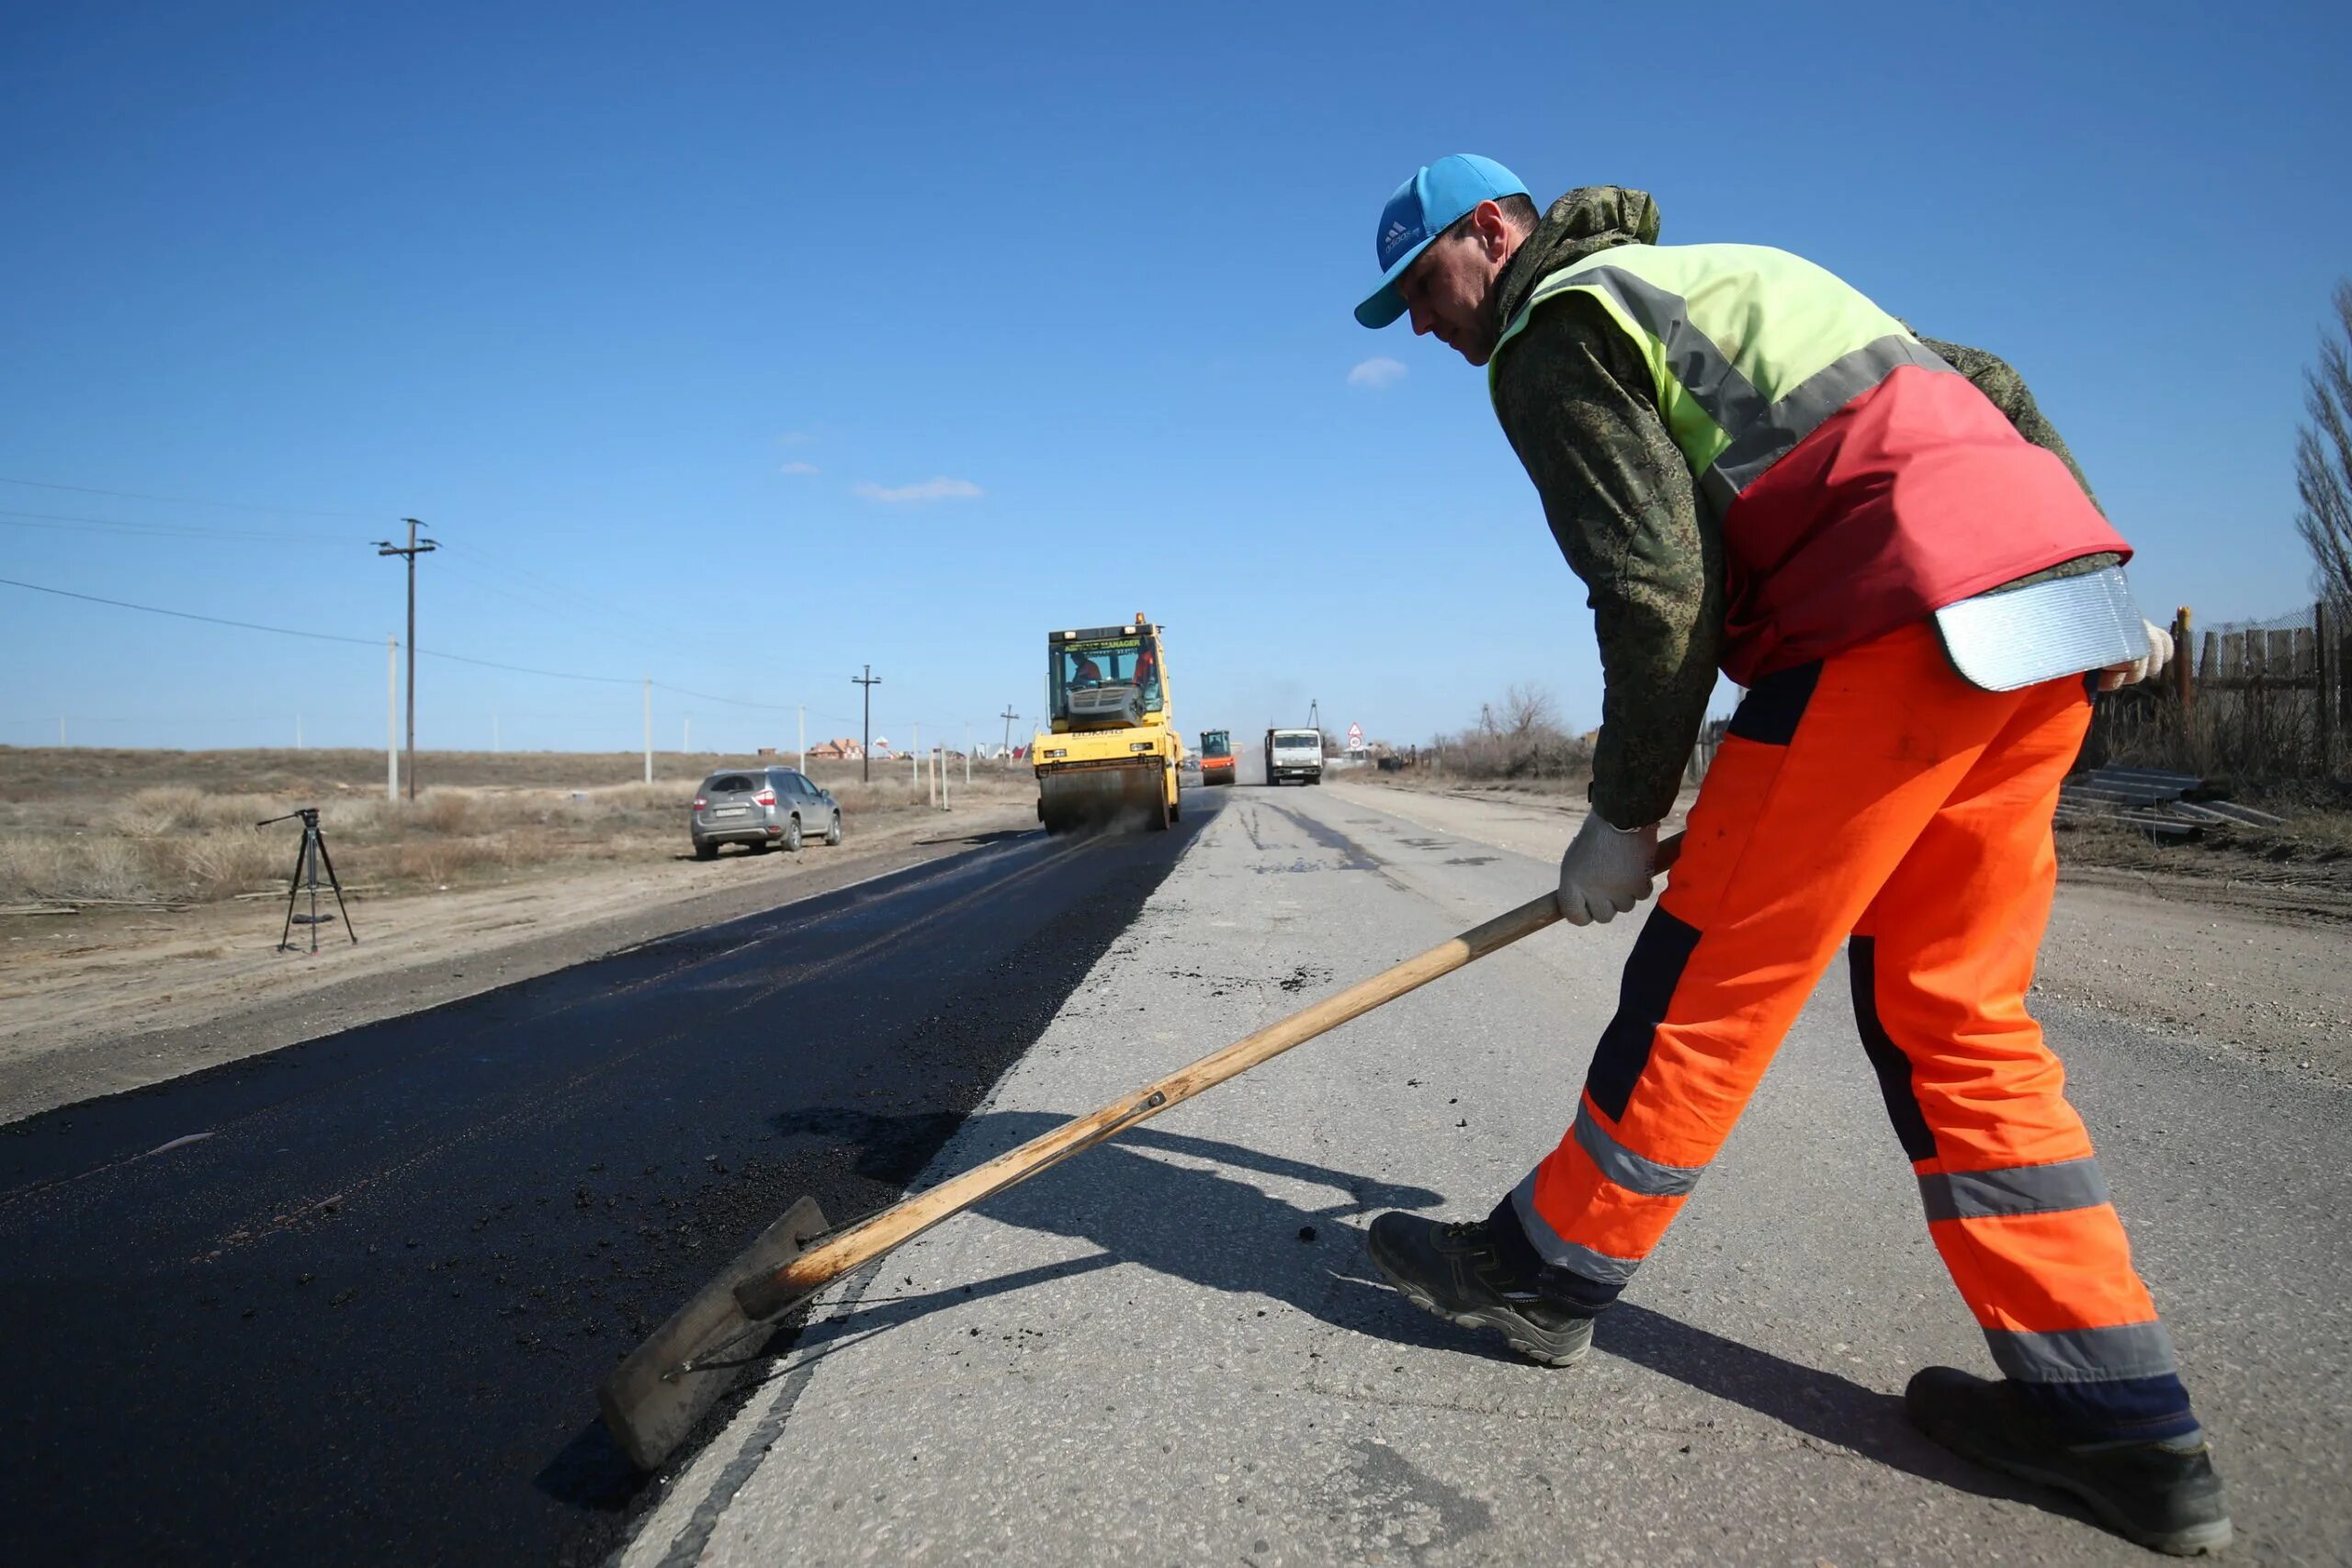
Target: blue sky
x: 742, y: 345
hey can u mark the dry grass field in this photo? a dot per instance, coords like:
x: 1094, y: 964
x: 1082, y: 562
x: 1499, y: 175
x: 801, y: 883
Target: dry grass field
x: 87, y: 826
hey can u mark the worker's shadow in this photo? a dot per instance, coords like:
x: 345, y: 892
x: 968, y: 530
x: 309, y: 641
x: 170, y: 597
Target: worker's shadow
x: 1185, y: 1206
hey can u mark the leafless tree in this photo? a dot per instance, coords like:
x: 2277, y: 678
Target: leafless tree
x: 1529, y: 711
x: 2323, y: 457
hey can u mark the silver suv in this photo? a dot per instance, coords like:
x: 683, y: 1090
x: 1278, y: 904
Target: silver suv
x: 760, y: 806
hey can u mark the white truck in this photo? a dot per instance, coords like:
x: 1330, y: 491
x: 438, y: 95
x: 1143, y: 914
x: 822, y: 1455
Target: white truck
x: 1295, y: 754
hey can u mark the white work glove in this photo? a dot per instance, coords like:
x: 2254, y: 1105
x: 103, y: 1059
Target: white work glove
x: 1606, y: 871
x: 2131, y: 674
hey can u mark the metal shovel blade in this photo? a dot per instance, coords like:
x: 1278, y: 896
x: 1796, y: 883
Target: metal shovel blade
x: 648, y: 1403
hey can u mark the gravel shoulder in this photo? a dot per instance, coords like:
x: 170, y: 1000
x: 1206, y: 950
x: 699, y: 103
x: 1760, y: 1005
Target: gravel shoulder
x: 97, y: 1003
x: 2249, y: 969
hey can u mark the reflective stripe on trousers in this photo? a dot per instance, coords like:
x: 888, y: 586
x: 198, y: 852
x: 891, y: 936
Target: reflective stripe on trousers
x: 1876, y: 793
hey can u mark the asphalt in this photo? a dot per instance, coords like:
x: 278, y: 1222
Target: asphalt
x: 1170, y: 1349
x: 348, y: 1302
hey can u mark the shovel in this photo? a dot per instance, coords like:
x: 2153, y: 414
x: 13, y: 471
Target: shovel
x: 667, y: 1384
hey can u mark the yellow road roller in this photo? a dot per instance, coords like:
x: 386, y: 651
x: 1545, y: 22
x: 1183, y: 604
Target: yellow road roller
x: 1112, y: 754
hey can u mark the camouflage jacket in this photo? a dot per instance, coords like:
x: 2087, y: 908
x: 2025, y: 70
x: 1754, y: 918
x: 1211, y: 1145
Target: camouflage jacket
x: 1579, y: 407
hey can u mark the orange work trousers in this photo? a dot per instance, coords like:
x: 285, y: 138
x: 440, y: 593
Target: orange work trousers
x: 1876, y: 795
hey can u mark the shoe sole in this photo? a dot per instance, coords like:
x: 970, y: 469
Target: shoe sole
x: 2197, y: 1541
x: 1513, y: 1329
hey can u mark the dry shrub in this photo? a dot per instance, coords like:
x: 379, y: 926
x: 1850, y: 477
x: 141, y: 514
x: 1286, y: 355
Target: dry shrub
x: 163, y: 808
x: 219, y: 864
x: 85, y: 866
x: 871, y: 799
x: 440, y: 862
x: 445, y: 810
x: 664, y: 793
x: 181, y: 808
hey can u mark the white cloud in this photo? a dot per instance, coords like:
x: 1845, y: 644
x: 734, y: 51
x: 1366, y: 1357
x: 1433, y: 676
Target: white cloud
x: 1378, y: 371
x: 941, y: 488
x: 795, y: 438
x: 799, y: 469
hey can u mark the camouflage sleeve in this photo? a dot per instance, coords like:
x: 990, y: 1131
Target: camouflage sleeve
x: 2006, y: 388
x: 1577, y: 405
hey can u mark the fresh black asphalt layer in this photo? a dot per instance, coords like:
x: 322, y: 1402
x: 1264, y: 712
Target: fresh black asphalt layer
x: 349, y: 1301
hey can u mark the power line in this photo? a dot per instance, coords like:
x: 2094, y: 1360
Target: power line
x: 192, y: 501
x: 562, y: 600
x: 64, y: 521
x: 526, y: 669
x: 189, y: 616
x: 554, y: 603
x: 737, y: 702
x: 422, y: 652
x: 546, y: 584
x: 568, y: 602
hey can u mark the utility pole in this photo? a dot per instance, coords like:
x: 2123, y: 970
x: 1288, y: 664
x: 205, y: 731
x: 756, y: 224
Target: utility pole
x: 298, y: 732
x: 392, y: 719
x: 914, y: 755
x: 865, y: 747
x: 1008, y: 716
x: 802, y: 709
x: 648, y: 729
x: 414, y: 550
x: 967, y: 755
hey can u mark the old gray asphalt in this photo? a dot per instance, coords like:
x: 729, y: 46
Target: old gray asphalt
x: 1141, y: 1357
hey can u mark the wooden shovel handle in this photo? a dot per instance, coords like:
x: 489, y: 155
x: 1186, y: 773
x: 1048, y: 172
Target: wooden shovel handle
x: 837, y: 1254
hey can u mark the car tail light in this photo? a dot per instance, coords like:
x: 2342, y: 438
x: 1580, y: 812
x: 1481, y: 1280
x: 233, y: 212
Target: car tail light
x: 766, y: 797
x: 700, y: 803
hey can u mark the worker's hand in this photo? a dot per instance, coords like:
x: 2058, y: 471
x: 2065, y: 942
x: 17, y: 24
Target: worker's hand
x: 1606, y: 871
x: 2138, y: 669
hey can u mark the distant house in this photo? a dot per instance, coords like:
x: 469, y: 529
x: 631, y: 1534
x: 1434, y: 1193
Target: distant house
x: 843, y: 750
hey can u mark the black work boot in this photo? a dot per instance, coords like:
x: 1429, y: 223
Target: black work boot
x: 2162, y: 1494
x: 1469, y: 1274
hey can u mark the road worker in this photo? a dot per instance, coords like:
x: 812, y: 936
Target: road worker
x: 1756, y: 470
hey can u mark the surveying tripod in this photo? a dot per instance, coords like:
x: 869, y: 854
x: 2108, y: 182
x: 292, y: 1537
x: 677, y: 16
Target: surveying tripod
x: 307, y: 861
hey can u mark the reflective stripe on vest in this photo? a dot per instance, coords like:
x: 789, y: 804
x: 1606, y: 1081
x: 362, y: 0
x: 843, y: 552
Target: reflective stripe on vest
x: 1801, y: 346
x: 1862, y: 484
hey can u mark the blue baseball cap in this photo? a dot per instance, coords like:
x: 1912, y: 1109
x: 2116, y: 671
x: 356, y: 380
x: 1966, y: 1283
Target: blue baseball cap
x: 1423, y: 208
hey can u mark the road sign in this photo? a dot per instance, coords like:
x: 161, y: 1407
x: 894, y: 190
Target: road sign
x: 1355, y: 738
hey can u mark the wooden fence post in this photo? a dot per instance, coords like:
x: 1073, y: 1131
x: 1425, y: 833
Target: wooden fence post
x: 2184, y: 669
x: 2325, y: 673
x: 2343, y: 679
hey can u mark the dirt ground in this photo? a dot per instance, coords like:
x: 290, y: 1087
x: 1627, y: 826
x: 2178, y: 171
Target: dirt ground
x: 2238, y: 949
x: 104, y: 1000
